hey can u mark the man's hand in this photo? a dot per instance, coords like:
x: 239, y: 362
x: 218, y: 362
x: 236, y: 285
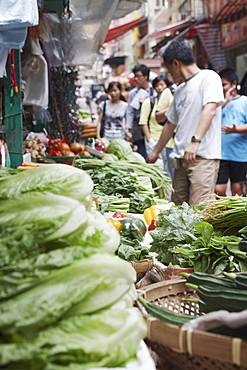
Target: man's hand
x: 152, y: 158
x: 190, y: 153
x: 228, y: 129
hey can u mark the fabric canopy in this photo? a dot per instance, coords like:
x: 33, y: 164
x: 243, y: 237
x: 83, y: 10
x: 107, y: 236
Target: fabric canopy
x: 220, y: 11
x: 210, y: 36
x: 162, y: 33
x: 116, y: 32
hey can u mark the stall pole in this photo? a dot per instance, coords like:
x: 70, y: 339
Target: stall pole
x: 13, y: 109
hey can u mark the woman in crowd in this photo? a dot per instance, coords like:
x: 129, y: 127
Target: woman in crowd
x: 151, y: 127
x: 111, y: 119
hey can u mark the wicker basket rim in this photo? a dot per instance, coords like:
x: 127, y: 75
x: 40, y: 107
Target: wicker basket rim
x: 226, y: 349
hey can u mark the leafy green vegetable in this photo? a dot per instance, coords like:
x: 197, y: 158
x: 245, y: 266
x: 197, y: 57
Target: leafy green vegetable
x: 109, y: 338
x: 182, y: 239
x: 111, y: 181
x: 40, y: 223
x: 6, y: 172
x: 132, y: 250
x: 85, y: 286
x: 161, y: 183
x: 107, y: 157
x: 121, y: 148
x: 58, y: 179
x: 135, y: 157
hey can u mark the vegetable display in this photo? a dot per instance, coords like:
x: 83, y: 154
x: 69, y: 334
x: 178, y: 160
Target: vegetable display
x: 181, y: 237
x: 66, y: 299
x: 160, y: 182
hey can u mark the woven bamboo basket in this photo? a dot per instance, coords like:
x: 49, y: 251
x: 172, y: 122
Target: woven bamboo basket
x: 187, y: 349
x: 142, y: 267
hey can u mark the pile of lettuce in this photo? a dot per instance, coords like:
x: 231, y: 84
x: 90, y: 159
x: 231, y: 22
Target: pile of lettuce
x: 66, y: 299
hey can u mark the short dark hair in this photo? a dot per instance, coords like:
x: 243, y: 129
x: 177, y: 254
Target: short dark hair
x: 177, y: 49
x: 161, y: 78
x: 142, y: 68
x: 112, y: 84
x: 229, y: 74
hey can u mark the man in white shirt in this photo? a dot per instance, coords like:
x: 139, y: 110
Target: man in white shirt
x: 195, y: 113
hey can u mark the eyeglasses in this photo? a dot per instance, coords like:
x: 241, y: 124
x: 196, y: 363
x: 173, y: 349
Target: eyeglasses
x: 139, y: 76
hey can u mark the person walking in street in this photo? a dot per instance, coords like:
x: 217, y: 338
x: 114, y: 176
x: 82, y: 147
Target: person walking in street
x: 137, y: 95
x: 195, y: 113
x: 233, y: 164
x: 151, y: 128
x: 111, y: 120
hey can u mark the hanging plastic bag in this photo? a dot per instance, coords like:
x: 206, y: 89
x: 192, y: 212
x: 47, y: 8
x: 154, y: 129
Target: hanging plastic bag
x: 18, y: 13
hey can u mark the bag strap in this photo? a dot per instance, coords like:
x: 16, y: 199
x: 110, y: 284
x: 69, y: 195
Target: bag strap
x: 102, y: 120
x: 151, y: 107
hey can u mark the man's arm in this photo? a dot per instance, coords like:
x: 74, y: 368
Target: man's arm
x: 165, y: 136
x: 205, y: 121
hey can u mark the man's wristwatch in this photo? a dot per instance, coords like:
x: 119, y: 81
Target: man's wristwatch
x: 194, y: 139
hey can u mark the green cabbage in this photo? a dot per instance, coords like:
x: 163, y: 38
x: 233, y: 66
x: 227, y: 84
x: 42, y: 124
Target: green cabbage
x: 121, y: 148
x: 135, y: 157
x: 107, y: 157
x: 109, y: 338
x: 58, y: 179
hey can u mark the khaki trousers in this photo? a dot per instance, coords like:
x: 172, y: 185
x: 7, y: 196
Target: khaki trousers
x: 195, y: 183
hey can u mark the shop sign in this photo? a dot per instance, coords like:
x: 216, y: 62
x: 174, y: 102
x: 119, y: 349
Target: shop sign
x: 234, y: 32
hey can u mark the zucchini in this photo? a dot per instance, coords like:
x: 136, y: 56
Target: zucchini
x: 201, y: 278
x: 233, y: 300
x: 164, y: 314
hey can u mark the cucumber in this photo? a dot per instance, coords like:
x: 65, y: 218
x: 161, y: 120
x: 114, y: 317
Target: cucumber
x: 241, y: 281
x: 164, y: 314
x: 201, y: 278
x: 233, y: 300
x: 243, y: 245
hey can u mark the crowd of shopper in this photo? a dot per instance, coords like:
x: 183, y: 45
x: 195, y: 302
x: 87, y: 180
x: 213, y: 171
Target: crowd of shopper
x: 194, y: 124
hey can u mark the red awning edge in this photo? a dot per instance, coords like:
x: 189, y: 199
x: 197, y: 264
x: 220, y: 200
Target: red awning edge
x: 114, y: 33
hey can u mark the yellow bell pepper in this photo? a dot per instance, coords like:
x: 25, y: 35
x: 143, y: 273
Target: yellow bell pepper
x: 154, y: 211
x: 115, y: 223
x: 150, y: 214
x: 147, y: 215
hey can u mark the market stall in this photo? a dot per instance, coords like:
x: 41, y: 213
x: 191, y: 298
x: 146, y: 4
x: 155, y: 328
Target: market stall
x: 104, y: 218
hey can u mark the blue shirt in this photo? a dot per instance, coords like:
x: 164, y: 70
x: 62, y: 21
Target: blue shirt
x: 234, y: 146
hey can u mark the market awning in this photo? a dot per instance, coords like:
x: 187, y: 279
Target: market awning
x: 114, y: 33
x: 166, y: 31
x: 152, y: 63
x: 222, y: 11
x: 210, y: 36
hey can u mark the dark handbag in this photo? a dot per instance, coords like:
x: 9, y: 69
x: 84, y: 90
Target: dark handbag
x: 137, y: 133
x: 102, y: 127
